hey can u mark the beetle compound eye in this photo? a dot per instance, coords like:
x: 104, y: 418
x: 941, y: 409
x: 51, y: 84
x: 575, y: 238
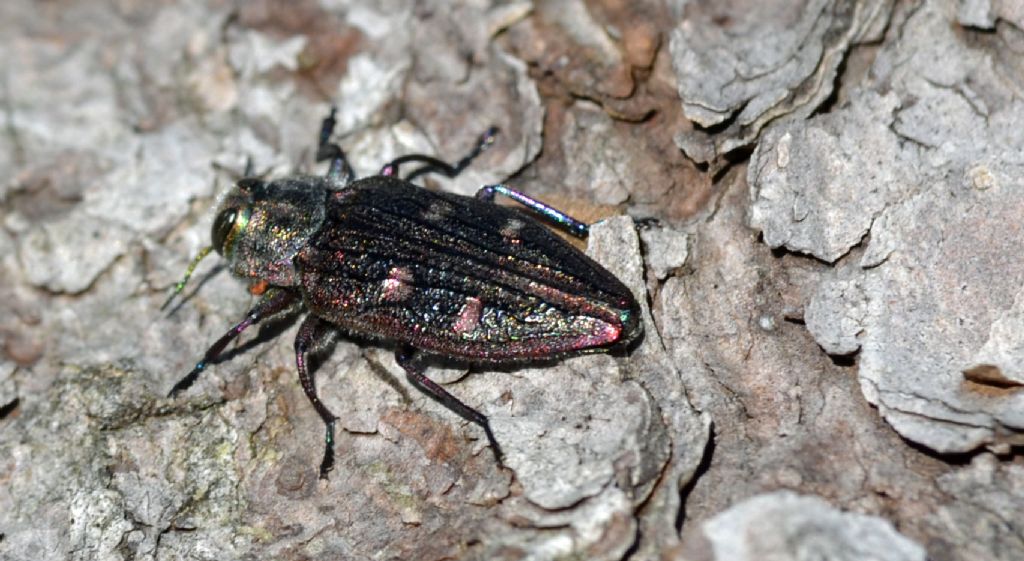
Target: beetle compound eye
x: 226, y: 228
x: 222, y: 227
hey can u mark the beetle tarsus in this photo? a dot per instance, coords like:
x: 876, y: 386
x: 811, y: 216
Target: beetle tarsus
x: 499, y: 455
x: 327, y: 464
x: 189, y: 379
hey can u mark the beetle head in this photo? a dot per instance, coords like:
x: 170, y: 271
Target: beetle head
x: 260, y: 226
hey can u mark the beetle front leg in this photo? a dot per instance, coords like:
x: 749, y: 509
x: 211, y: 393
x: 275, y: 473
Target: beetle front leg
x: 551, y: 214
x: 313, y: 335
x: 273, y: 302
x: 340, y: 172
x: 409, y: 361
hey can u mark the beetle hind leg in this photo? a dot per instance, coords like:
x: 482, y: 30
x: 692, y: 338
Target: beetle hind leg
x: 409, y: 361
x: 549, y: 213
x: 313, y: 335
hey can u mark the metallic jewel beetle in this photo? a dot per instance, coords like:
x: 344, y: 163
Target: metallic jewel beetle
x: 435, y: 274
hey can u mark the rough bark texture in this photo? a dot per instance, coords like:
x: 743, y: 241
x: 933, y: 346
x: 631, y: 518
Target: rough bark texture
x: 819, y: 204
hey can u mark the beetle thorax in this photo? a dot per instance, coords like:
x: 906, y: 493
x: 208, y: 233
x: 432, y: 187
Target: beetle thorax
x: 261, y: 226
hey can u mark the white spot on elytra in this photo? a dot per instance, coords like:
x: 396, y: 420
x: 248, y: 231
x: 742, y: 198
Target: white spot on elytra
x: 397, y: 286
x: 436, y: 211
x: 511, y: 228
x: 469, y: 316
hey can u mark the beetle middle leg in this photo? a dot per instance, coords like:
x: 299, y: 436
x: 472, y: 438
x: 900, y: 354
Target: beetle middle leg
x: 275, y: 301
x: 314, y: 334
x: 410, y: 362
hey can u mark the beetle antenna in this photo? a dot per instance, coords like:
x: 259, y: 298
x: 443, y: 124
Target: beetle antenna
x: 188, y: 274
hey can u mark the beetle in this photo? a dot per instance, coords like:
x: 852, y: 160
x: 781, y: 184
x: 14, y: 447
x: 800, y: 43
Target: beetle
x: 434, y: 274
